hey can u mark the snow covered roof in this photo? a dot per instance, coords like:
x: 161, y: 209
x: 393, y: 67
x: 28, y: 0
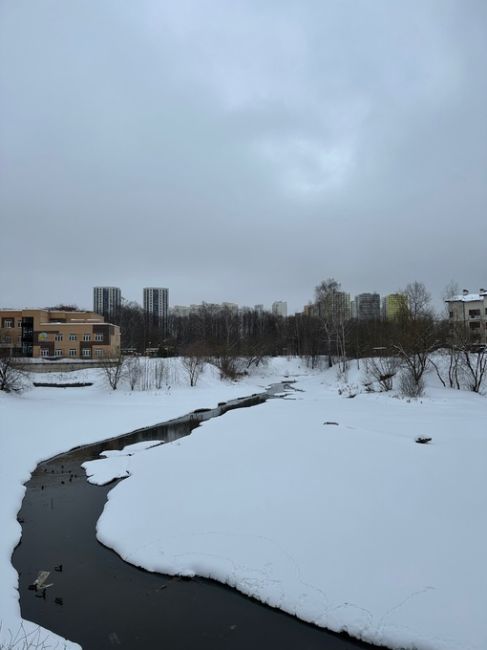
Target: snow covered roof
x: 468, y: 297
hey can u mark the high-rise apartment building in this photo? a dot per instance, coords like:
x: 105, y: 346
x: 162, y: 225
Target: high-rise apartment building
x: 107, y: 301
x: 156, y: 303
x: 334, y: 306
x: 366, y: 306
x: 279, y: 308
x: 392, y: 305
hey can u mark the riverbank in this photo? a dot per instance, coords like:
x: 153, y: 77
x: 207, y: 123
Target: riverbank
x: 321, y: 505
x: 41, y: 422
x: 325, y: 507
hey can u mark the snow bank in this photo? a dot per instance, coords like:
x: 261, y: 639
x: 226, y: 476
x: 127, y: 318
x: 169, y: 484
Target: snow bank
x: 352, y: 526
x: 42, y: 422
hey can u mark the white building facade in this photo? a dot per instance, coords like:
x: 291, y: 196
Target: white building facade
x: 279, y: 308
x: 469, y: 312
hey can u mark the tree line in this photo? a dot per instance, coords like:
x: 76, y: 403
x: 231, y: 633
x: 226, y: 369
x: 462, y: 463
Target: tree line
x: 327, y: 330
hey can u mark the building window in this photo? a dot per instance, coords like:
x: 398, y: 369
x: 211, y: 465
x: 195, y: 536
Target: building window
x: 451, y: 314
x: 474, y: 313
x: 19, y: 323
x: 474, y: 326
x: 44, y: 352
x: 98, y: 352
x: 58, y: 337
x: 72, y: 353
x: 99, y: 337
x: 73, y: 337
x: 8, y: 322
x: 7, y: 339
x: 86, y: 337
x: 86, y: 352
x: 59, y: 353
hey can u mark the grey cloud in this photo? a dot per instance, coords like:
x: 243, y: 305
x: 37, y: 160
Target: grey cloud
x: 240, y: 151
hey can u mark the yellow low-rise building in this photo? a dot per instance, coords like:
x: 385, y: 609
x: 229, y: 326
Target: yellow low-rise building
x: 52, y: 333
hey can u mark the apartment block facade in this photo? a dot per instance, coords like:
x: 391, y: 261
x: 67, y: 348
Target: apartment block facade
x: 279, y: 308
x: 156, y: 306
x: 392, y: 305
x: 366, y: 306
x: 335, y: 306
x: 60, y: 334
x: 107, y: 301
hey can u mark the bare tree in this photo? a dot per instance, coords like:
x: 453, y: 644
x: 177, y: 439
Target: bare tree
x: 63, y: 307
x: 134, y: 371
x: 416, y: 338
x: 418, y: 300
x: 382, y: 370
x: 333, y: 313
x: 474, y: 366
x: 11, y: 377
x: 160, y: 373
x: 193, y: 363
x: 409, y: 385
x: 255, y: 355
x: 114, y: 370
x: 449, y: 368
x: 228, y: 362
x: 449, y: 372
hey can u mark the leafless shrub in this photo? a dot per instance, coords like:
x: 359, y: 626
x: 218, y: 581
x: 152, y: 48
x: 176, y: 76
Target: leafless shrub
x: 230, y: 366
x: 160, y: 373
x: 134, y: 371
x: 452, y: 371
x: 349, y: 390
x: 255, y: 356
x: 474, y: 368
x: 382, y: 370
x: 36, y: 639
x: 369, y: 386
x: 11, y: 377
x: 114, y: 370
x: 410, y: 385
x: 192, y: 363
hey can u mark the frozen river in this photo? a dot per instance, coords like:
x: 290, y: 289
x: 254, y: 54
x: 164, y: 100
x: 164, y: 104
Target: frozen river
x: 100, y: 601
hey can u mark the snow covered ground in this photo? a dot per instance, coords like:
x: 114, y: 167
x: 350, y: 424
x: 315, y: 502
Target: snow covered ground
x: 41, y: 422
x: 325, y: 507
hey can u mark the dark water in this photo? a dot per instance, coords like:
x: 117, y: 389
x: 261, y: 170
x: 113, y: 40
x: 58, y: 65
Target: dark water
x: 101, y: 602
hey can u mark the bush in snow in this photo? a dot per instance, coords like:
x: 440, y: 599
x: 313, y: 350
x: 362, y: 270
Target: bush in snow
x: 192, y: 363
x: 160, y: 373
x: 114, y: 370
x: 229, y: 365
x: 348, y: 390
x: 134, y: 371
x: 11, y: 377
x: 23, y: 640
x: 382, y: 370
x: 474, y: 368
x: 410, y: 385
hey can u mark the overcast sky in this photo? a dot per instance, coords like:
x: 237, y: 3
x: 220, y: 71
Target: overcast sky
x: 241, y: 151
